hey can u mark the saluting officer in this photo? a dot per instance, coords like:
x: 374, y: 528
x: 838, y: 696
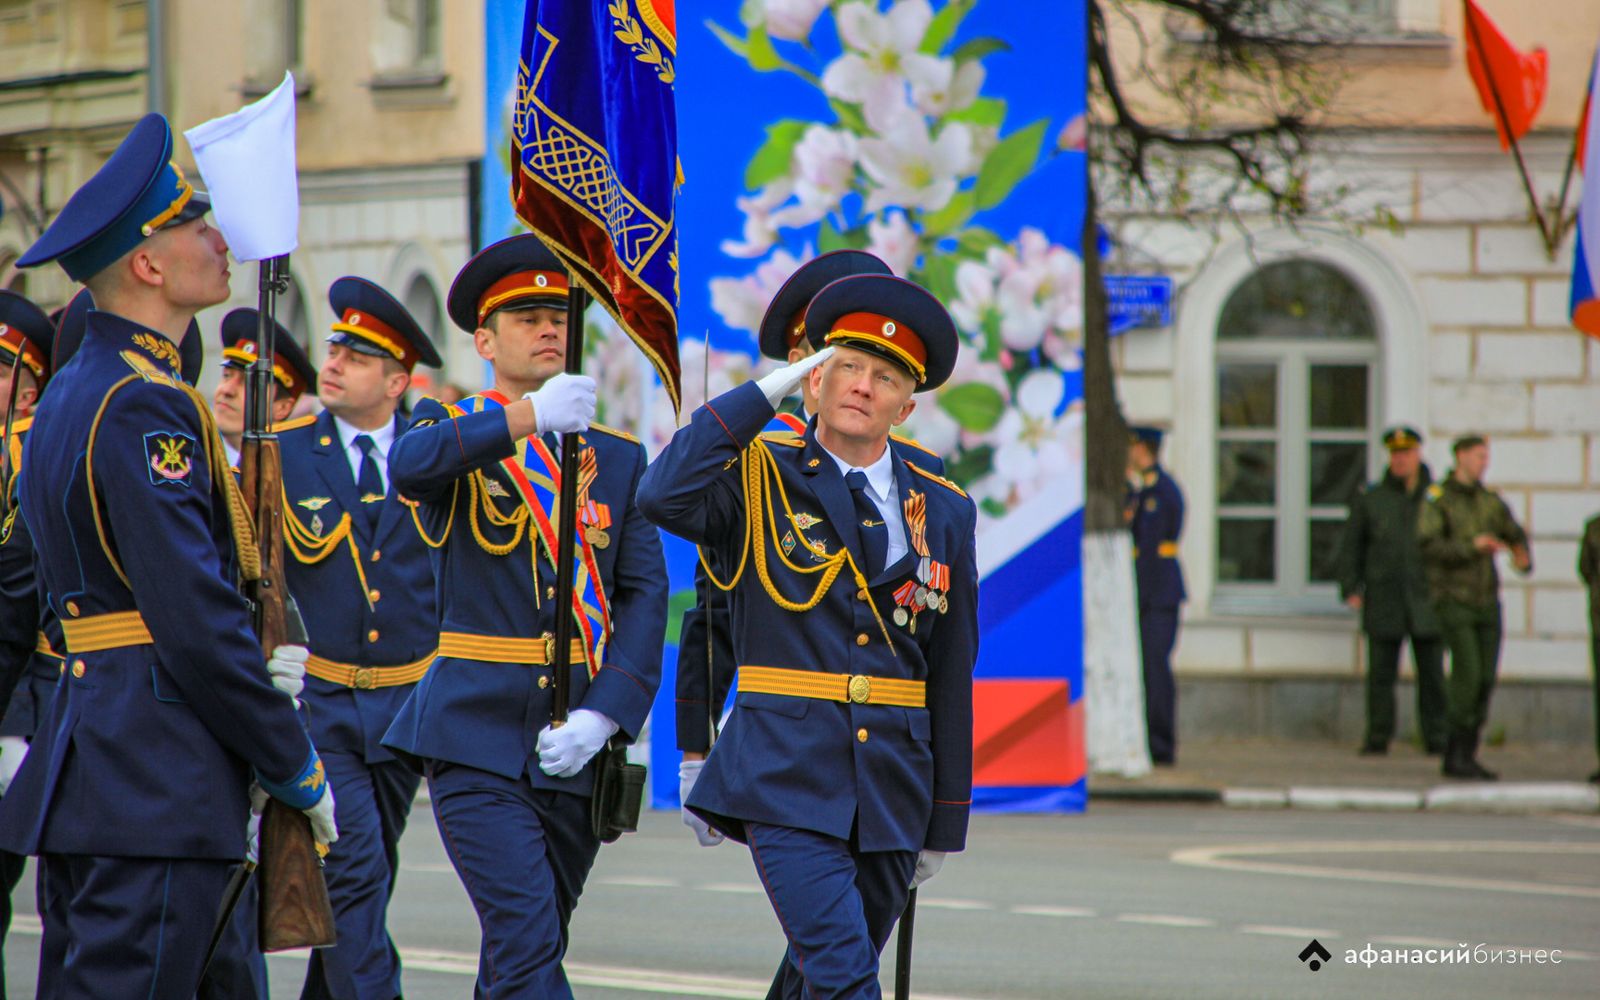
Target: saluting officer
x: 705, y: 650
x: 1381, y: 576
x: 847, y: 766
x: 1156, y: 518
x: 1462, y: 526
x: 292, y: 376
x: 511, y: 794
x: 29, y: 665
x: 136, y: 791
x: 364, y: 581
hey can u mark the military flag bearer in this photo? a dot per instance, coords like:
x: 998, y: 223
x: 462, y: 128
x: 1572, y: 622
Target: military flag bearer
x: 510, y: 793
x: 847, y: 766
x: 364, y: 582
x: 136, y: 792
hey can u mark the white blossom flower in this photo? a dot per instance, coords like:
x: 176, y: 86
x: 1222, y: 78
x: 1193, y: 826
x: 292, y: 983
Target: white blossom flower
x: 881, y: 57
x: 741, y: 302
x: 760, y: 231
x: 933, y: 428
x: 912, y: 169
x: 960, y: 89
x: 975, y: 300
x: 792, y: 19
x: 893, y: 241
x: 823, y: 171
x: 1034, y: 446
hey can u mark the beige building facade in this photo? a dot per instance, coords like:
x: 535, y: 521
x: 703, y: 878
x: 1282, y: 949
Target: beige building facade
x: 1292, y: 349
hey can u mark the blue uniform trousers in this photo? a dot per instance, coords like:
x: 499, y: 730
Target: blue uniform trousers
x: 238, y: 970
x: 837, y: 905
x: 523, y: 854
x: 371, y: 805
x: 1158, y: 632
x: 126, y: 927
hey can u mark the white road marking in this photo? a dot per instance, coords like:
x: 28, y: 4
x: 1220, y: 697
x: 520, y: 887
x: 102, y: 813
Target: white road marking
x: 1164, y: 920
x: 953, y: 904
x: 1053, y: 911
x: 1414, y: 942
x: 734, y: 888
x: 1303, y: 933
x: 1228, y: 858
x: 640, y: 882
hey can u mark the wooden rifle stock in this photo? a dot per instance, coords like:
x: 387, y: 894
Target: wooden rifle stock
x: 294, y: 907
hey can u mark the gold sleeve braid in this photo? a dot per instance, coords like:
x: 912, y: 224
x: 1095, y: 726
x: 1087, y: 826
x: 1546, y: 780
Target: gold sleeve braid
x: 761, y: 521
x: 239, y: 523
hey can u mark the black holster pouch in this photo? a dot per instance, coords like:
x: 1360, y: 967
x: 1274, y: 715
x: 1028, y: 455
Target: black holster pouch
x: 618, y: 793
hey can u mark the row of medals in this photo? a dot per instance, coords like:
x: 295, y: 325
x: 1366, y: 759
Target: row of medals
x: 922, y: 599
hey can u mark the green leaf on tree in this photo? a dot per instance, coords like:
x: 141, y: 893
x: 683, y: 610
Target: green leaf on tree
x: 944, y: 24
x: 849, y: 116
x: 970, y: 466
x: 952, y: 216
x: 978, y: 48
x: 735, y: 44
x: 975, y: 241
x: 993, y: 507
x: 939, y: 276
x: 762, y: 56
x: 771, y: 161
x: 984, y: 111
x: 1008, y: 163
x: 830, y: 239
x: 976, y: 406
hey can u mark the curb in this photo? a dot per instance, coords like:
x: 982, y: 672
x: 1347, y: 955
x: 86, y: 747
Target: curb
x: 1180, y: 794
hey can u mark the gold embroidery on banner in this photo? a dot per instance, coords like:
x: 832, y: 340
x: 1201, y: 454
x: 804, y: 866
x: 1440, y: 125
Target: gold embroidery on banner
x: 646, y: 50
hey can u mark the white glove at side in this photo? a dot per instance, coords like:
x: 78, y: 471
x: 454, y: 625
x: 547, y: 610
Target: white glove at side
x: 688, y: 774
x: 778, y: 384
x: 252, y: 843
x: 287, y: 666
x: 564, y: 751
x: 928, y: 865
x: 323, y: 829
x: 12, y: 750
x: 564, y: 404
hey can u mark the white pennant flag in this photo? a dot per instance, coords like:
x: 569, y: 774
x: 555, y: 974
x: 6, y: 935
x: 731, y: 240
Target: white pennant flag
x: 247, y: 160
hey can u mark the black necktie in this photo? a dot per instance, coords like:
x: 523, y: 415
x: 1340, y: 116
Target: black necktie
x: 369, y: 483
x: 869, y: 521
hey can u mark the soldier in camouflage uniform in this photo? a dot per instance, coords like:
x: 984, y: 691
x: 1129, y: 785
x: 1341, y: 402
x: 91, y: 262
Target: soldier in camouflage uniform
x: 1462, y: 527
x: 1381, y: 576
x: 1589, y: 569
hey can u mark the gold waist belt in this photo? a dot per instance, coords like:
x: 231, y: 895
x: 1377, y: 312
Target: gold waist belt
x: 42, y: 646
x: 540, y: 652
x: 367, y: 678
x: 857, y: 688
x: 109, y: 631
x: 1166, y: 550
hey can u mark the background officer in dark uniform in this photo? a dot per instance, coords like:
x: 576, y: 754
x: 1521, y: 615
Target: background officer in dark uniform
x: 136, y: 792
x: 1155, y: 516
x: 1589, y: 572
x: 292, y: 376
x: 364, y: 582
x: 1381, y: 576
x: 847, y: 764
x: 1462, y: 527
x: 511, y: 794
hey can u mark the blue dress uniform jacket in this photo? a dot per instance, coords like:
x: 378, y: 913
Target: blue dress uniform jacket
x: 148, y: 749
x: 900, y: 777
x: 30, y: 638
x: 383, y: 616
x: 1157, y: 525
x: 488, y: 715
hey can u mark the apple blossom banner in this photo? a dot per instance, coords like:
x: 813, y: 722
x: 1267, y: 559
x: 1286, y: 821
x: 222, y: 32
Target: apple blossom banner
x: 945, y: 137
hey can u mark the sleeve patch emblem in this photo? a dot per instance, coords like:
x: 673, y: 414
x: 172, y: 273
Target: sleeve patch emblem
x: 171, y: 457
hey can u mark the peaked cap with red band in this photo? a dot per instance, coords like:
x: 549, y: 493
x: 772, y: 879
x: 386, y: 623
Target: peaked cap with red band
x: 889, y: 317
x: 371, y: 321
x: 784, y: 322
x: 27, y: 332
x: 517, y: 272
x: 290, y: 367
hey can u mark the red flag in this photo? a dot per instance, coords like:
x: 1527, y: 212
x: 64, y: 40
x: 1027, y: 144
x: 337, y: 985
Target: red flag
x: 1510, y: 84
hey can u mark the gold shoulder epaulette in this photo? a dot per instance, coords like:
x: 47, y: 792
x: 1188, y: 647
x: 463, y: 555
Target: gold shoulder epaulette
x: 913, y: 442
x: 148, y: 369
x: 294, y: 424
x: 614, y: 432
x: 21, y: 424
x: 1435, y: 491
x: 789, y: 438
x: 919, y: 470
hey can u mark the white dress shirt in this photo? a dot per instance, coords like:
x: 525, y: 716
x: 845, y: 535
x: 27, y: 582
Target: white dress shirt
x: 382, y: 440
x: 884, y: 493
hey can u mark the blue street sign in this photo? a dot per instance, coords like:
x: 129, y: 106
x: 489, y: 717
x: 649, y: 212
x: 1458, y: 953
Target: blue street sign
x: 1138, y: 300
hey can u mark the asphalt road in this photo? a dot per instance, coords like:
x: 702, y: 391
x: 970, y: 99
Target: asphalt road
x: 1128, y: 902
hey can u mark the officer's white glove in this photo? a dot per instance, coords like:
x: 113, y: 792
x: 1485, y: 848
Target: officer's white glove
x: 564, y: 751
x: 252, y: 843
x: 928, y: 865
x: 12, y: 750
x: 564, y: 404
x: 287, y: 665
x: 779, y: 384
x: 323, y: 829
x: 688, y: 774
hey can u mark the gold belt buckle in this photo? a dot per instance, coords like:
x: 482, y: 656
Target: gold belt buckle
x: 365, y: 678
x: 549, y: 641
x: 860, y: 689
